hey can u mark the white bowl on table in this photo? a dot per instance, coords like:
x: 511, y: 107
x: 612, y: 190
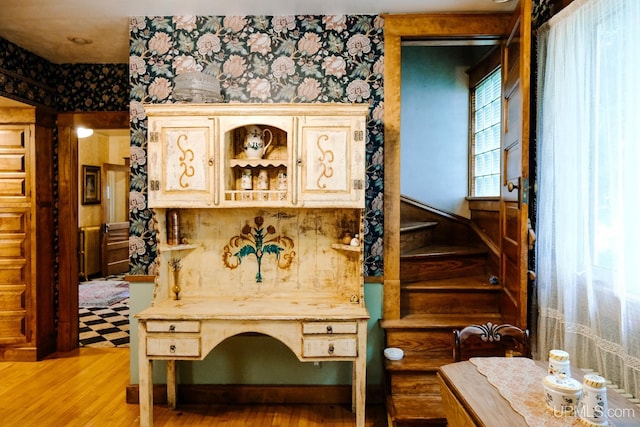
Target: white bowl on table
x: 393, y: 353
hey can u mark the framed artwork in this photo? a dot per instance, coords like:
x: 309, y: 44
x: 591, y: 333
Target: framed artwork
x: 91, y: 189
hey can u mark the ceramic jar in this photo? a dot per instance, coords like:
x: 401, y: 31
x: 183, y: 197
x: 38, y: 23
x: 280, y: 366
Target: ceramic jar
x: 593, y: 406
x: 263, y: 180
x: 282, y: 184
x: 562, y: 394
x: 263, y: 184
x: 559, y: 363
x: 246, y: 181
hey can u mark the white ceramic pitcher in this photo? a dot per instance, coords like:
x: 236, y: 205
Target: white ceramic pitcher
x: 257, y: 141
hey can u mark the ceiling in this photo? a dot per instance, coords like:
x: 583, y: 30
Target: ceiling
x: 45, y: 27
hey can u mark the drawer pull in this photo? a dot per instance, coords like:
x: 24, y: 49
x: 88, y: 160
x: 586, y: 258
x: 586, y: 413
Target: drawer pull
x: 331, y: 348
x: 172, y: 348
x: 172, y: 328
x: 329, y: 329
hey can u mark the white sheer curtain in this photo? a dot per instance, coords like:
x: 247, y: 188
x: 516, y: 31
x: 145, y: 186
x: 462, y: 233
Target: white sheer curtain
x: 588, y: 250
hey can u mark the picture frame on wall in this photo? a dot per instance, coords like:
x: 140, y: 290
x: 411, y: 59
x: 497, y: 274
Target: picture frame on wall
x: 91, y: 189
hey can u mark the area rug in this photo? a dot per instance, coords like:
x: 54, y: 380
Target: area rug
x: 97, y: 293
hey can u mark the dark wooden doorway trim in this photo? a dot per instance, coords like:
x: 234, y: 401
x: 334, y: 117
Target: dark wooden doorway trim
x: 396, y: 29
x: 68, y: 215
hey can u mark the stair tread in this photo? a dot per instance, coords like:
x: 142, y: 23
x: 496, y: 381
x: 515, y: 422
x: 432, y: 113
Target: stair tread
x: 418, y: 361
x: 453, y: 283
x: 431, y: 251
x: 416, y: 225
x: 425, y: 321
x: 417, y: 407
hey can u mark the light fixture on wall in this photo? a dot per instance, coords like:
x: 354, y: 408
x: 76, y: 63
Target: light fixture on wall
x: 84, y: 132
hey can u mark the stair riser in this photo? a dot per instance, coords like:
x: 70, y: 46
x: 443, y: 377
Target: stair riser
x: 441, y: 268
x: 411, y: 240
x: 421, y: 423
x: 410, y: 383
x: 414, y: 302
x: 438, y: 343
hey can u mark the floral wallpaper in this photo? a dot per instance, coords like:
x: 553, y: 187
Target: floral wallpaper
x: 26, y: 77
x: 258, y: 59
x: 92, y: 87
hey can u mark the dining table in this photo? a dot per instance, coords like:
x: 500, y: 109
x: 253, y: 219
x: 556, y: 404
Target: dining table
x: 508, y: 391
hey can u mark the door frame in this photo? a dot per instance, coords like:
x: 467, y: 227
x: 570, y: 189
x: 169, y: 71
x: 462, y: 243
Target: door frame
x: 105, y: 241
x: 396, y: 29
x: 68, y: 306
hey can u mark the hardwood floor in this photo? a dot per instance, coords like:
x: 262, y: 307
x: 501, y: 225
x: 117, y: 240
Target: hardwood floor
x: 86, y: 387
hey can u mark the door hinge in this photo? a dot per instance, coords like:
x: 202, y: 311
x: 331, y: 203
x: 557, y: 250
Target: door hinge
x: 154, y: 185
x: 358, y: 135
x: 358, y: 184
x: 154, y: 136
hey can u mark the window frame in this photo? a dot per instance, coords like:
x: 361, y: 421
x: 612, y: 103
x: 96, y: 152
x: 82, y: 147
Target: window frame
x: 477, y: 74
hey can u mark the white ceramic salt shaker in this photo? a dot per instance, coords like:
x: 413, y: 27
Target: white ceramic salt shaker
x: 559, y: 363
x: 593, y: 406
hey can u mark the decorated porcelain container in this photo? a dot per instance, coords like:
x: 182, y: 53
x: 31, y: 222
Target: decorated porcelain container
x: 559, y: 363
x: 257, y: 141
x: 562, y: 394
x: 593, y: 406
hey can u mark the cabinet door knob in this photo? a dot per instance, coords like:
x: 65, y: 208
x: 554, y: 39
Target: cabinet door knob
x: 331, y: 348
x: 211, y: 161
x: 329, y: 329
x: 172, y: 348
x: 172, y: 328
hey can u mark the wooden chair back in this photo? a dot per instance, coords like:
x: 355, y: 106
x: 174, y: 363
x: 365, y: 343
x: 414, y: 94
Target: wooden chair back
x: 490, y: 340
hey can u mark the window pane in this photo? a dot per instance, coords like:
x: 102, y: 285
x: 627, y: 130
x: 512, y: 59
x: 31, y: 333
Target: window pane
x: 486, y: 103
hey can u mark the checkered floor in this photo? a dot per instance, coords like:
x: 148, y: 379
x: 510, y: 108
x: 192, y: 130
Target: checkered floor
x: 105, y: 326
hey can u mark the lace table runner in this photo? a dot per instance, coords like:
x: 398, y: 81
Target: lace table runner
x: 519, y: 381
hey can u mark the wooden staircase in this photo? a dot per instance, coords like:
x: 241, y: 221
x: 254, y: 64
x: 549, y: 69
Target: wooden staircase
x: 446, y: 275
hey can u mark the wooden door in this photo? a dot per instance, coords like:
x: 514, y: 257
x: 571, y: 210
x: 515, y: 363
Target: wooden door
x: 15, y: 232
x: 514, y: 193
x: 115, y: 229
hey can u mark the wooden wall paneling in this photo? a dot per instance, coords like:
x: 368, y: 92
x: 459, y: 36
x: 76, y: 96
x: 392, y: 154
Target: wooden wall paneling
x: 28, y: 320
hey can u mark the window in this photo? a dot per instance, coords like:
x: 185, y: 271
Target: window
x: 588, y: 152
x: 485, y: 136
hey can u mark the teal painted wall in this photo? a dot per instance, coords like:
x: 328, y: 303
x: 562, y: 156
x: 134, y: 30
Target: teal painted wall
x: 435, y: 124
x: 261, y: 359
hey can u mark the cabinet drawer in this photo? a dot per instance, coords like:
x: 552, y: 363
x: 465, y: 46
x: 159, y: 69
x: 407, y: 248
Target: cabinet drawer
x: 329, y: 328
x: 173, y: 346
x: 173, y: 326
x: 329, y: 347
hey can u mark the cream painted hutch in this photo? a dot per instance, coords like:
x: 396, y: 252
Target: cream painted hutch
x: 259, y: 240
